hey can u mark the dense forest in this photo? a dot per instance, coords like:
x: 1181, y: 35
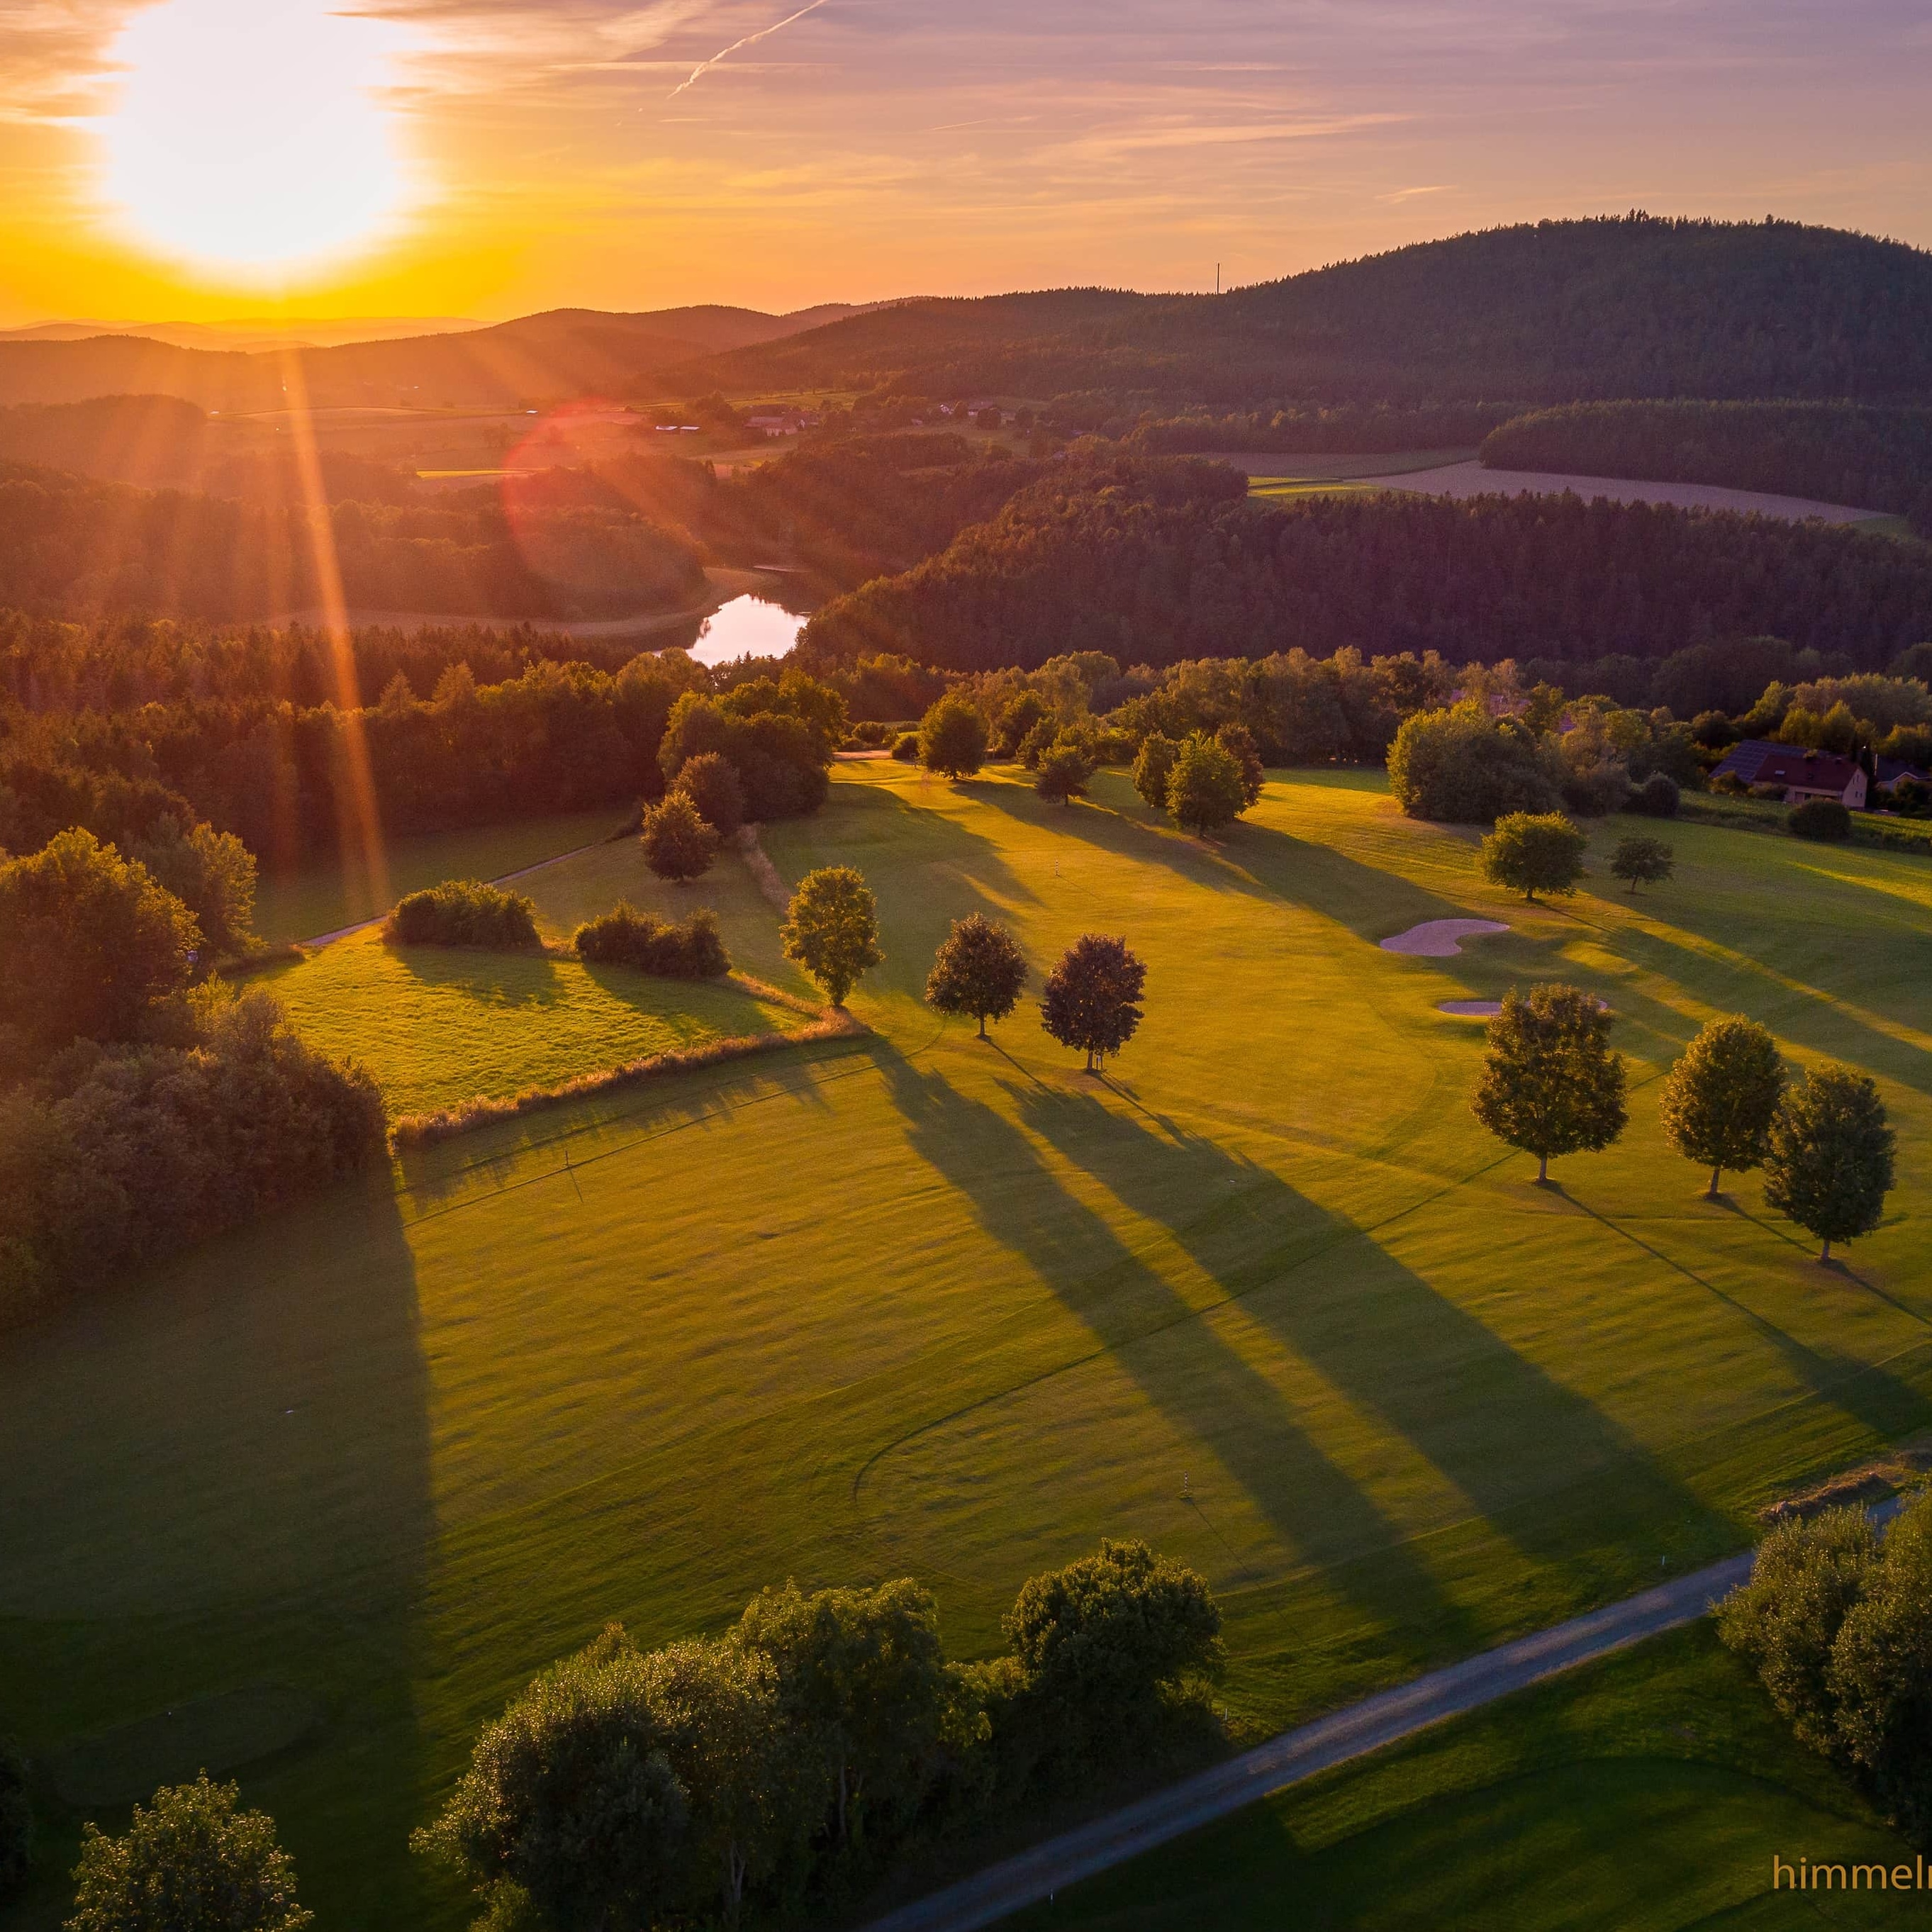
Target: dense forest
x: 1151, y: 562
x: 1551, y: 312
x: 1347, y: 429
x: 1873, y: 458
x: 70, y: 547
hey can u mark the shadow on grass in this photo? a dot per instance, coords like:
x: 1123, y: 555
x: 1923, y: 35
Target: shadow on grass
x: 495, y: 979
x: 1513, y: 1440
x: 1205, y: 1390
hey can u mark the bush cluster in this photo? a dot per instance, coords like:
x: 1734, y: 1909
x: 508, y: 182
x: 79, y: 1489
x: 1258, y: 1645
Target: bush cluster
x: 118, y: 1156
x: 687, y: 949
x: 463, y: 912
x: 1822, y: 818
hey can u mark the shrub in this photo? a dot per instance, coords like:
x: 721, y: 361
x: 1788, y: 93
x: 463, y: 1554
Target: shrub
x: 712, y: 784
x: 1658, y: 797
x: 144, y: 1151
x: 1206, y: 789
x: 1093, y: 996
x: 1063, y: 774
x: 953, y: 738
x: 89, y: 942
x: 463, y: 912
x: 1534, y: 852
x: 1820, y: 818
x: 192, y: 1861
x: 678, y: 845
x: 832, y: 929
x: 1641, y: 860
x: 1153, y: 767
x: 688, y: 949
x: 1464, y: 767
x: 905, y: 748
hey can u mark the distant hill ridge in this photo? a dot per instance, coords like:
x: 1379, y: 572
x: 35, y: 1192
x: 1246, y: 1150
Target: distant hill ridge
x: 1547, y: 312
x: 535, y: 359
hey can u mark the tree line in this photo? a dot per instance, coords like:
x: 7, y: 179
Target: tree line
x: 1152, y: 563
x: 1866, y: 454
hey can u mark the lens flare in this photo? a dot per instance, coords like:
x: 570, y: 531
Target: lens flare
x: 250, y: 138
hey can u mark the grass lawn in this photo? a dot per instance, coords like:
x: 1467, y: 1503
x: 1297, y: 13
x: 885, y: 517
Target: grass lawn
x: 325, y: 897
x: 1648, y: 1793
x: 914, y: 1303
x: 438, y: 1025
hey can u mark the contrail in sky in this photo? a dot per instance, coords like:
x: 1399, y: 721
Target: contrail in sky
x: 705, y: 67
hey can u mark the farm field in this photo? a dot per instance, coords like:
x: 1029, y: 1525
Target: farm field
x: 438, y: 1025
x: 1648, y: 1793
x: 394, y: 1452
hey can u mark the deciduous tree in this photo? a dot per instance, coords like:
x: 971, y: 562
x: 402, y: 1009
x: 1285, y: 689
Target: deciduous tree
x: 1093, y: 997
x: 1828, y: 1163
x: 832, y: 929
x: 710, y: 780
x: 1238, y: 742
x: 1153, y: 767
x: 678, y: 845
x: 979, y: 971
x: 1063, y: 774
x: 1640, y: 860
x: 191, y: 1860
x: 953, y: 738
x: 1205, y: 790
x: 1720, y: 1098
x: 1552, y: 1083
x: 1532, y: 852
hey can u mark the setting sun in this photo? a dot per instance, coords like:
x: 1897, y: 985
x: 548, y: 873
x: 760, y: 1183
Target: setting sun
x: 248, y: 138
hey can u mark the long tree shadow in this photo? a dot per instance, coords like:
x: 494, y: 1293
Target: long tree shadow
x: 1206, y: 1392
x: 1542, y: 1465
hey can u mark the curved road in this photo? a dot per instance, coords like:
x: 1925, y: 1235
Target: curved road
x: 990, y: 1895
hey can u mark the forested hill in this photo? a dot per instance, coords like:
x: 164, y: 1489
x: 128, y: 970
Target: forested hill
x: 1555, y: 311
x: 1156, y: 562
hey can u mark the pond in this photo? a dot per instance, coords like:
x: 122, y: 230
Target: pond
x: 746, y: 627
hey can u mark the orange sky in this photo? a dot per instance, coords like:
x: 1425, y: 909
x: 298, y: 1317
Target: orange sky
x: 530, y: 154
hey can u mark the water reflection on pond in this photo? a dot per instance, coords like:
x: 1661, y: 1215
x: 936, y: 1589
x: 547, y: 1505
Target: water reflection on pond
x: 746, y: 626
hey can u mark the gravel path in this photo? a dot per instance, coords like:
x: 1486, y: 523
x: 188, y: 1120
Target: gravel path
x: 990, y: 1895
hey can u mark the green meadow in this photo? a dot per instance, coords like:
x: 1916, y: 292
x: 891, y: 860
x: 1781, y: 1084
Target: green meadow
x: 1264, y: 1293
x: 1648, y: 1793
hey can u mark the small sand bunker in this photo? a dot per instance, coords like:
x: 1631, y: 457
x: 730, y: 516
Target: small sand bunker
x: 1471, y: 1009
x: 1440, y: 938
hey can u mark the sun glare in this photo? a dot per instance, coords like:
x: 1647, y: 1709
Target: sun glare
x: 250, y: 138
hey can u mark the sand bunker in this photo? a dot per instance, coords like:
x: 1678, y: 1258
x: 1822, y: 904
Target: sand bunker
x: 1471, y: 1009
x: 1439, y: 938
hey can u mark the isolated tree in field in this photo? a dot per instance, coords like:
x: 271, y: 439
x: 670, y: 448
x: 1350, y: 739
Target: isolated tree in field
x: 88, y: 943
x: 16, y: 1820
x: 1204, y: 790
x: 1238, y: 742
x: 710, y: 780
x: 1532, y: 852
x: 1641, y: 860
x: 190, y: 1862
x: 1093, y: 996
x: 678, y: 845
x: 862, y: 1687
x: 1153, y: 767
x: 1828, y: 1164
x: 980, y: 971
x: 832, y: 929
x: 953, y: 738
x: 1720, y: 1098
x: 1552, y: 1084
x: 1063, y: 774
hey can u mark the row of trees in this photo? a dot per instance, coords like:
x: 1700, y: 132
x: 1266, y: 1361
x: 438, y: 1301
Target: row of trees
x: 779, y: 1764
x: 1553, y: 1085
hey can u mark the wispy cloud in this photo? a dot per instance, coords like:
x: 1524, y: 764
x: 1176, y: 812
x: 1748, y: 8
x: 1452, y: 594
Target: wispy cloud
x: 704, y: 66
